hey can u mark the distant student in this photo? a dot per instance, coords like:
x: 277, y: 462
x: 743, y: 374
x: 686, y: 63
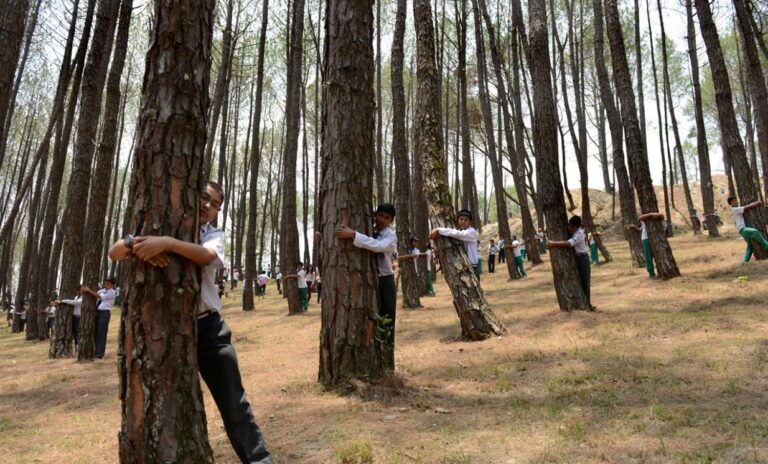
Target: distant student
x: 318, y: 285
x: 523, y: 249
x: 518, y: 255
x: 50, y: 314
x: 415, y: 254
x: 502, y: 253
x: 235, y: 278
x: 279, y: 281
x: 103, y: 312
x: 301, y: 282
x: 383, y: 244
x: 261, y: 283
x: 579, y: 244
x: 593, y: 256
x: 310, y: 282
x: 76, y: 304
x: 747, y: 233
x: 647, y: 250
x: 466, y: 233
x: 541, y: 238
x: 493, y: 250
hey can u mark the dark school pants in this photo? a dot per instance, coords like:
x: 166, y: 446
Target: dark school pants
x: 102, y: 325
x: 491, y: 264
x: 218, y: 366
x: 584, y: 266
x: 387, y: 309
x: 76, y: 329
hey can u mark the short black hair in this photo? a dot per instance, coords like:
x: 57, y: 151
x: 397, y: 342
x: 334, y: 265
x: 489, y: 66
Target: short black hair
x: 575, y: 221
x: 386, y: 208
x: 464, y: 212
x: 215, y: 186
x: 299, y: 263
x: 730, y: 199
x: 415, y: 239
x: 111, y: 280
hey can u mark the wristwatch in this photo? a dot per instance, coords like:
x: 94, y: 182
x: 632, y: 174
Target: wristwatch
x: 128, y: 241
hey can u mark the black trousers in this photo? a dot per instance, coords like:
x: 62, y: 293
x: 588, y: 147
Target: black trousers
x: 491, y: 264
x: 76, y: 329
x: 582, y: 262
x: 102, y: 325
x: 502, y: 256
x: 218, y: 366
x: 387, y: 310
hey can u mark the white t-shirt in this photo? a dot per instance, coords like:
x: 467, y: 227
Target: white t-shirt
x: 262, y: 279
x: 643, y: 231
x: 578, y: 242
x: 51, y: 311
x: 212, y: 239
x: 516, y: 251
x: 302, y: 278
x: 417, y: 253
x: 738, y: 217
x: 468, y: 236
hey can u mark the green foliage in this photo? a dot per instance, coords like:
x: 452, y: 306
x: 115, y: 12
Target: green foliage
x: 358, y: 451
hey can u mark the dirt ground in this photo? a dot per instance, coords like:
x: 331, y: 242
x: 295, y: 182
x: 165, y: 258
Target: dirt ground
x: 662, y: 372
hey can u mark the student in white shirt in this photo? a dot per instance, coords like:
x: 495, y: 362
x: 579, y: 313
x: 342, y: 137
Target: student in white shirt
x: 261, y: 282
x: 50, y: 313
x: 749, y: 234
x: 415, y: 254
x: 647, y: 251
x: 216, y: 355
x: 517, y: 252
x: 301, y: 283
x: 384, y: 245
x: 502, y: 252
x: 106, y: 297
x: 578, y: 242
x: 466, y: 233
x: 492, y: 251
x: 76, y: 304
x: 318, y: 284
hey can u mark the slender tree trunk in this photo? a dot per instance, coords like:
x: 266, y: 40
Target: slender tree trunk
x: 729, y: 129
x: 12, y: 20
x: 380, y: 197
x: 94, y: 75
x: 626, y: 196
x: 351, y: 339
x: 408, y: 277
x: 477, y: 319
x: 468, y: 178
x: 97, y: 203
x: 756, y: 83
x: 665, y: 261
x: 163, y: 419
x: 639, y: 73
x: 570, y: 295
x: 29, y: 258
x: 289, y: 233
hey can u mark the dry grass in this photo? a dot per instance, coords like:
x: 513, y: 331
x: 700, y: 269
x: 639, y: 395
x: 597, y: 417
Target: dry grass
x: 663, y: 372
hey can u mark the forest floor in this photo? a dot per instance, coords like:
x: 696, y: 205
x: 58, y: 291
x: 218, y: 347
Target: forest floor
x: 663, y: 372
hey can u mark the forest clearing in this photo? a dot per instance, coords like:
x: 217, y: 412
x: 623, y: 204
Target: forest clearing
x: 663, y: 372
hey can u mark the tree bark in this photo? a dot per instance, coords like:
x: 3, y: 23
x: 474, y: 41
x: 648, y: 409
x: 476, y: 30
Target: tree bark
x: 665, y: 261
x: 408, y: 277
x: 477, y: 319
x: 163, y: 419
x: 570, y: 295
x: 289, y: 233
x: 97, y: 203
x: 94, y: 75
x: 351, y: 342
x: 729, y: 129
x: 702, y: 147
x: 12, y: 23
x: 626, y: 196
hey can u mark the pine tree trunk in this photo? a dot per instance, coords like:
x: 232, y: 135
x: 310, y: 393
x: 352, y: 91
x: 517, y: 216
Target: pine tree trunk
x: 380, y: 197
x: 289, y: 233
x: 97, y: 203
x: 665, y: 261
x: 351, y: 342
x: 255, y: 154
x: 477, y: 319
x: 570, y: 295
x: 408, y: 276
x: 12, y: 20
x: 729, y: 129
x: 756, y: 83
x: 467, y: 176
x: 626, y: 196
x: 29, y: 259
x: 639, y: 74
x: 94, y: 75
x: 678, y: 143
x: 163, y: 419
x: 494, y: 155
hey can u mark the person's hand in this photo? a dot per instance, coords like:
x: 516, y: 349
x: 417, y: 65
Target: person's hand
x: 84, y: 290
x: 434, y: 234
x: 56, y: 302
x: 318, y: 237
x: 146, y: 248
x: 345, y: 232
x: 160, y: 260
x: 550, y: 245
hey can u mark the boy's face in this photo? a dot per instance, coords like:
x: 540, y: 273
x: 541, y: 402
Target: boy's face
x: 464, y: 222
x: 572, y: 228
x: 382, y: 220
x: 107, y: 284
x: 733, y: 202
x: 210, y: 204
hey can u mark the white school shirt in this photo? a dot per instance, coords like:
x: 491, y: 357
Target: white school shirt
x: 416, y: 252
x: 107, y: 297
x: 517, y: 252
x: 591, y: 239
x: 500, y: 244
x: 384, y: 245
x: 492, y: 250
x: 262, y: 279
x: 429, y: 260
x: 578, y: 242
x: 211, y: 238
x: 643, y: 231
x: 468, y: 236
x: 738, y: 217
x: 77, y: 303
x: 301, y: 278
x: 51, y: 311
